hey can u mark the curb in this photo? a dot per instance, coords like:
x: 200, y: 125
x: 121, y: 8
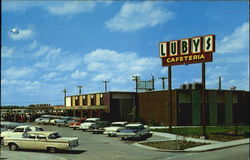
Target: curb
x: 138, y: 144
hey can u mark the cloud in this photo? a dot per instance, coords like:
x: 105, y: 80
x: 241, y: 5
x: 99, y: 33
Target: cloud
x: 48, y: 52
x: 70, y: 8
x: 7, y: 52
x: 235, y: 42
x: 135, y: 16
x: 118, y: 67
x: 18, y: 6
x: 78, y: 75
x: 53, y: 58
x: 17, y: 72
x: 22, y: 84
x: 22, y: 35
x: 33, y: 45
x: 51, y: 75
x: 102, y: 76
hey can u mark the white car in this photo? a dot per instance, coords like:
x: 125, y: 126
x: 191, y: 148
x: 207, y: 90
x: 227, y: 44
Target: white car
x: 134, y: 131
x: 44, y: 119
x: 42, y: 140
x: 114, y: 128
x: 19, y: 131
x: 88, y: 122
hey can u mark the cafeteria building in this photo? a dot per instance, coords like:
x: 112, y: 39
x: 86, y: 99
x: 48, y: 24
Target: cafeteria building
x: 222, y: 107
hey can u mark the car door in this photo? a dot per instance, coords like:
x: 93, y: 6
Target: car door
x: 41, y: 142
x: 28, y: 141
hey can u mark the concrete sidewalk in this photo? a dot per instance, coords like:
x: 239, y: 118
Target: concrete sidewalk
x: 211, y: 145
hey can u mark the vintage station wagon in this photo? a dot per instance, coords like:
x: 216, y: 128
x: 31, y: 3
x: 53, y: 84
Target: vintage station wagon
x: 42, y: 140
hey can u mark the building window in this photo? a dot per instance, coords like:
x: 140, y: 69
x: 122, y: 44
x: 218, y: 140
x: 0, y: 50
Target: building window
x: 101, y: 100
x: 84, y: 100
x: 92, y: 100
x: 77, y: 101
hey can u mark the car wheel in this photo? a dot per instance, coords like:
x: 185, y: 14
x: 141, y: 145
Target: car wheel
x: 123, y: 138
x: 59, y: 125
x: 74, y: 128
x: 140, y: 137
x: 1, y: 141
x: 13, y: 146
x: 51, y: 149
x: 109, y: 135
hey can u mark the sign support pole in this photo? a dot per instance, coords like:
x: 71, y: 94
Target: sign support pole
x: 203, y: 131
x: 170, y: 98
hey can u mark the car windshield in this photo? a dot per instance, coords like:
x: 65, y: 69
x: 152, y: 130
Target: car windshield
x: 90, y: 121
x: 117, y: 125
x: 133, y: 127
x: 65, y: 118
x: 39, y: 129
x: 54, y: 136
x: 19, y: 130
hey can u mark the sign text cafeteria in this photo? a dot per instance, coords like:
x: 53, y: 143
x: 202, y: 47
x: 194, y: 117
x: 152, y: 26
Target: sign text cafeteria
x: 187, y: 51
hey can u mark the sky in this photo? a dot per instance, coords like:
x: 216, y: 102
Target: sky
x: 64, y: 44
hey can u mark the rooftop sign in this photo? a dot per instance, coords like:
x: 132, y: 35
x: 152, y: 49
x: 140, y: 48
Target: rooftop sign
x: 187, y: 51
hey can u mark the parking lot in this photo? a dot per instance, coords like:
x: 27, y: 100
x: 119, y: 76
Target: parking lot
x: 92, y: 146
x: 102, y: 147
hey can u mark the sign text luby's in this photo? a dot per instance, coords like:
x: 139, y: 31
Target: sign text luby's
x: 186, y: 51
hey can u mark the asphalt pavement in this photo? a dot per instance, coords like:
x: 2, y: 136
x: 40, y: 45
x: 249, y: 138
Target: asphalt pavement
x: 96, y: 147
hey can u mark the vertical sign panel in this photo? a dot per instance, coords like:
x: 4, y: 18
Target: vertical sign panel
x: 163, y: 49
x: 196, y: 45
x: 184, y: 47
x: 209, y: 43
x: 173, y: 48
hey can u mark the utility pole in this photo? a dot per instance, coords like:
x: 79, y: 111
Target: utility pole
x: 105, y: 85
x: 80, y: 91
x: 64, y: 91
x: 163, y: 81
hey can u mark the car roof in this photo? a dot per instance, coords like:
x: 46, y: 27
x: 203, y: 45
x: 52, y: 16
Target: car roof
x: 42, y: 132
x: 119, y: 122
x: 92, y: 118
x: 134, y: 125
x: 23, y: 126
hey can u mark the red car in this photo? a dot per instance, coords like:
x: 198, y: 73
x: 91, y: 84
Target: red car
x: 76, y: 123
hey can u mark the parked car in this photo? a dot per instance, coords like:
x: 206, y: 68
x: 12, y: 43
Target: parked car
x: 44, y: 119
x: 98, y: 127
x: 114, y: 128
x: 42, y: 140
x: 71, y: 120
x: 19, y: 131
x: 63, y: 121
x: 84, y: 126
x: 76, y: 123
x: 5, y: 126
x: 135, y: 131
x: 53, y: 119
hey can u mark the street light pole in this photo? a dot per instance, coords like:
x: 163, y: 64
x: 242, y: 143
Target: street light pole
x: 105, y: 85
x: 80, y: 91
x: 136, y: 78
x: 163, y: 81
x: 64, y: 91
